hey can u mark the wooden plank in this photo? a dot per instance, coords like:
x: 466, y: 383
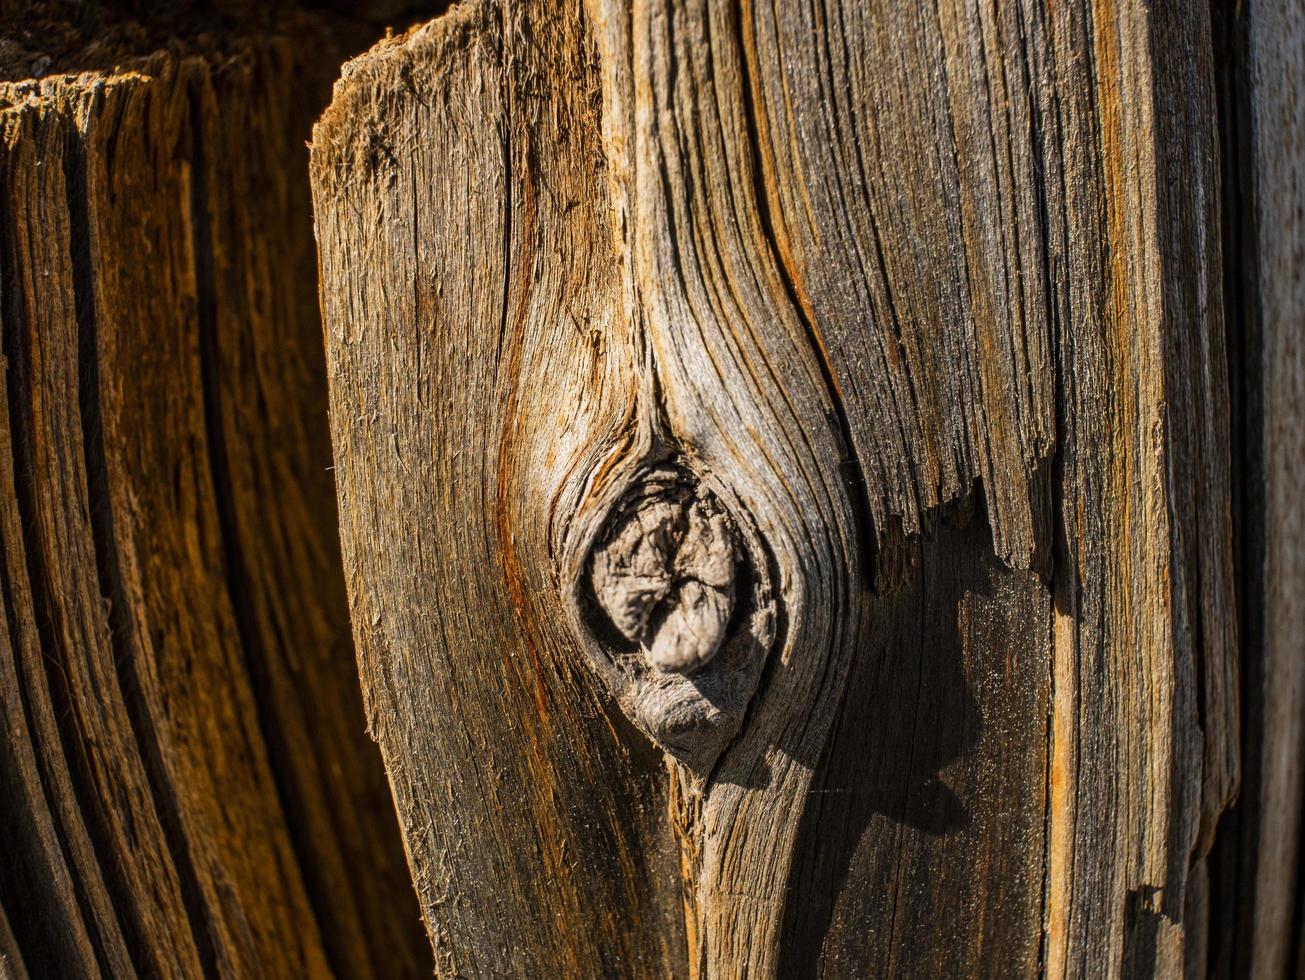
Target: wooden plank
x: 263, y: 380
x: 460, y: 227
x: 830, y: 275
x: 1144, y: 757
x: 1277, y: 79
x: 1257, y: 860
x: 106, y: 784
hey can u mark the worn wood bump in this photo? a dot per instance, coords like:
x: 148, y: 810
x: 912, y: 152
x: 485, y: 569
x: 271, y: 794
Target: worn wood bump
x: 664, y: 572
x: 676, y: 610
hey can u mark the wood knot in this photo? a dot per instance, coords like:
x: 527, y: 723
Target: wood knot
x: 674, y: 605
x: 665, y: 569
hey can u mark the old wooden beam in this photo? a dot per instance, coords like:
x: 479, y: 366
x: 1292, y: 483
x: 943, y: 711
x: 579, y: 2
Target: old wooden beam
x: 913, y: 311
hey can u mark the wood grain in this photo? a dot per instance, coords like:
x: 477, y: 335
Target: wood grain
x: 922, y: 844
x: 1146, y: 756
x: 479, y: 202
x: 930, y: 300
x: 1255, y: 882
x: 188, y: 789
x: 11, y: 959
x: 1277, y: 68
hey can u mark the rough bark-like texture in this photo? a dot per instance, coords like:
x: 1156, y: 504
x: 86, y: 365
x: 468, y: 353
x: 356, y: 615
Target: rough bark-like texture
x: 1144, y: 733
x: 11, y: 958
x: 1256, y: 891
x: 928, y: 299
x: 186, y: 787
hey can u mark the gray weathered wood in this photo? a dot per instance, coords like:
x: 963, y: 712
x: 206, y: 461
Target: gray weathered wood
x: 926, y: 301
x: 529, y: 806
x: 1255, y: 884
x: 1277, y: 82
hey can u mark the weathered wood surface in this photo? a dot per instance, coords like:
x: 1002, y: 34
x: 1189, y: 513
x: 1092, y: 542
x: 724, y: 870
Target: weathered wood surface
x: 1277, y: 82
x: 11, y: 958
x: 1255, y: 883
x: 530, y: 809
x: 928, y: 299
x: 186, y: 788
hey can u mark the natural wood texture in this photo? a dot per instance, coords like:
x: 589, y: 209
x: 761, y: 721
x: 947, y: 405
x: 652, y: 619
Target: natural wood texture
x: 929, y: 298
x: 534, y: 819
x: 11, y: 960
x: 1277, y: 82
x: 1144, y: 743
x: 1256, y: 880
x: 185, y: 784
x: 921, y: 850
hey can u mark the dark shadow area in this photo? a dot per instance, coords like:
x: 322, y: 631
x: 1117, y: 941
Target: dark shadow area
x: 906, y: 715
x: 935, y: 764
x: 1140, y: 943
x: 39, y: 38
x: 1234, y: 860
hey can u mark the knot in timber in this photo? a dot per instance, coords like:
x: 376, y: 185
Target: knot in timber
x: 674, y: 605
x: 664, y: 570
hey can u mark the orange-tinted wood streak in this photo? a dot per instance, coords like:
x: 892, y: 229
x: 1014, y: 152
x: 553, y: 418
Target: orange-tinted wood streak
x: 516, y: 281
x: 1127, y: 681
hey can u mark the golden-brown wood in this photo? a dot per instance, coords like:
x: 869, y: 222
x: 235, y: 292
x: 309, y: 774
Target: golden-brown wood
x: 11, y: 959
x: 187, y: 787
